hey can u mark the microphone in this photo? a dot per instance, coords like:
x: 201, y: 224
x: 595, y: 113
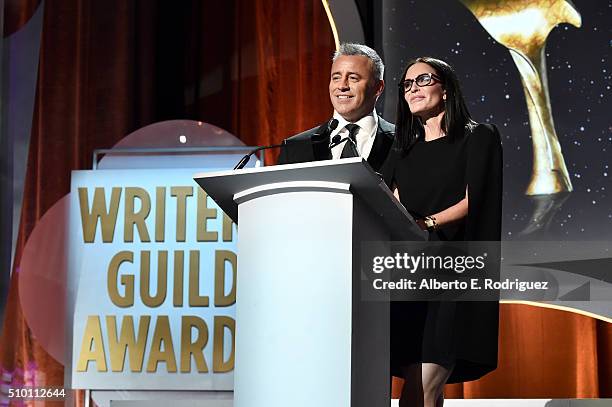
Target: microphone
x: 331, y: 126
x: 336, y: 140
x: 320, y: 140
x: 245, y: 160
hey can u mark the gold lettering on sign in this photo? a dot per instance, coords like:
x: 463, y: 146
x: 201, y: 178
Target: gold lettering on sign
x: 203, y: 214
x: 127, y: 341
x: 179, y: 264
x: 92, y: 347
x: 221, y: 257
x: 228, y: 228
x: 145, y: 278
x: 160, y: 214
x: 128, y: 335
x: 221, y: 323
x: 195, y: 348
x: 195, y: 299
x: 181, y: 194
x: 133, y: 218
x: 127, y: 280
x: 108, y: 219
x: 162, y: 339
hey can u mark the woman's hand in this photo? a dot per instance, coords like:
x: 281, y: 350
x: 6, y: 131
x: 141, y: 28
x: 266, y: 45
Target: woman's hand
x: 450, y: 215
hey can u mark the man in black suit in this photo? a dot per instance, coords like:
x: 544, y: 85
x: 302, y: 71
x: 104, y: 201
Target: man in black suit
x: 355, y: 84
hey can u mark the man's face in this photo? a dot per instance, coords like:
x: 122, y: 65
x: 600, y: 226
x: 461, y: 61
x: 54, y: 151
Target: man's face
x: 353, y: 89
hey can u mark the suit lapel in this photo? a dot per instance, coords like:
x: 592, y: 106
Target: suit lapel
x: 380, y: 149
x: 382, y: 144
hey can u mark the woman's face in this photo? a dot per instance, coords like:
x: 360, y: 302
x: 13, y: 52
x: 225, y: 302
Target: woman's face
x: 427, y: 100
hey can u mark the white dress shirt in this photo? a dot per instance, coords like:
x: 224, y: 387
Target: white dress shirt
x: 364, y: 139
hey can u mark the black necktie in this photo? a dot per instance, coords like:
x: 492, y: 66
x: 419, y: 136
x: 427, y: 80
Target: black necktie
x: 350, y: 149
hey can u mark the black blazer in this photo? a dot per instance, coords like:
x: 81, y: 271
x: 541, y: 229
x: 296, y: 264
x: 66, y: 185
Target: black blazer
x: 312, y: 146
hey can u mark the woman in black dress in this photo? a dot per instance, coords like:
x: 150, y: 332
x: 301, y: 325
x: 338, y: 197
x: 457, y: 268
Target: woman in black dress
x: 448, y: 174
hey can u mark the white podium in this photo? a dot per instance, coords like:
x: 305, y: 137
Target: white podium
x: 304, y: 335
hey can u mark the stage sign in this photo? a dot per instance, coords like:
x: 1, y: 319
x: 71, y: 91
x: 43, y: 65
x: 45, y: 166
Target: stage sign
x: 156, y: 264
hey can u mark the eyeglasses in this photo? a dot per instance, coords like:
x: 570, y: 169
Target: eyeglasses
x: 424, y: 79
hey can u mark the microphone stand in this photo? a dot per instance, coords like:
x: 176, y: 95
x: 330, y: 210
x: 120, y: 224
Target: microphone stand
x: 245, y: 160
x: 331, y: 125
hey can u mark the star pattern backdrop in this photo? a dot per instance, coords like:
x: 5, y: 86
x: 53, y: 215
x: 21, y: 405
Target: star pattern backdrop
x: 579, y: 81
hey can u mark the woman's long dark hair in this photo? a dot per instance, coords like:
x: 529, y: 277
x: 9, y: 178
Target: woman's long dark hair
x: 456, y: 119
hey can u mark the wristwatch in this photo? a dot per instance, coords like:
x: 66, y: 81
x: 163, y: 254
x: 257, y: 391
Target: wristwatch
x: 430, y: 223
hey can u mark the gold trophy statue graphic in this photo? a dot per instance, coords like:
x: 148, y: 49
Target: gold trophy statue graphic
x: 522, y: 26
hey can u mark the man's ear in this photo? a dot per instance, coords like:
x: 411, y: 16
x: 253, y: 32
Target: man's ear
x: 380, y: 86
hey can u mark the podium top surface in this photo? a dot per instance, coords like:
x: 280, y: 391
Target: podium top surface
x: 221, y: 186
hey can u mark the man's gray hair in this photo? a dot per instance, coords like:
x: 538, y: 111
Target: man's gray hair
x: 349, y: 48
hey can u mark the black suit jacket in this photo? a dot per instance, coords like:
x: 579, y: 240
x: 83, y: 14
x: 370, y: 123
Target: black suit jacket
x: 313, y: 145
